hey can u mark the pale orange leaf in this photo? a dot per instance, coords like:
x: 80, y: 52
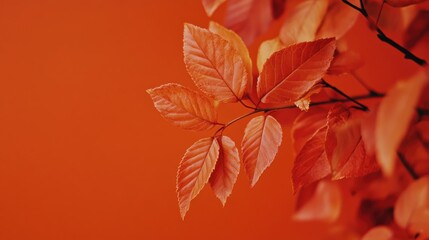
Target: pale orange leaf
x: 214, y: 64
x: 227, y: 168
x: 248, y: 18
x: 262, y: 138
x: 183, y: 107
x: 338, y: 20
x: 379, y: 233
x: 266, y: 49
x: 399, y: 105
x: 302, y: 24
x: 210, y: 6
x: 291, y: 72
x: 414, y: 199
x: 194, y: 171
x: 403, y: 3
x: 324, y: 204
x: 237, y: 43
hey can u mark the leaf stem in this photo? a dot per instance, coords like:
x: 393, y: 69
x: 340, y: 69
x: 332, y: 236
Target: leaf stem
x: 383, y: 37
x: 407, y: 166
x: 362, y: 106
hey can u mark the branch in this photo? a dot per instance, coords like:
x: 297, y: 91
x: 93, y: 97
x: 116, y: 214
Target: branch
x: 361, y: 106
x: 407, y: 166
x: 383, y: 37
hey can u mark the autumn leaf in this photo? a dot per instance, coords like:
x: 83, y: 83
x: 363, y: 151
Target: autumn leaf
x: 210, y: 6
x: 238, y: 44
x: 305, y: 126
x: 215, y: 66
x: 418, y: 28
x: 398, y: 105
x: 379, y: 233
x: 183, y: 107
x: 194, y: 171
x: 403, y: 3
x: 262, y: 138
x: 291, y: 72
x: 412, y: 207
x: 225, y: 174
x: 324, y: 204
x: 338, y: 20
x: 278, y: 7
x: 266, y: 49
x: 248, y: 18
x: 349, y: 158
x: 345, y: 62
x: 302, y: 24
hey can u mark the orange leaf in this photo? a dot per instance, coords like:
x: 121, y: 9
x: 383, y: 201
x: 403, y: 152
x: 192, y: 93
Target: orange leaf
x: 413, y: 202
x: 379, y: 233
x: 291, y: 72
x: 323, y: 205
x: 210, y: 6
x: 345, y: 62
x: 227, y: 168
x: 399, y: 105
x: 349, y: 158
x: 266, y: 49
x: 214, y: 64
x: 403, y: 3
x: 339, y: 19
x: 417, y: 29
x: 306, y: 125
x: 183, y: 107
x: 237, y: 43
x: 248, y: 18
x: 262, y: 138
x: 194, y: 171
x: 302, y: 24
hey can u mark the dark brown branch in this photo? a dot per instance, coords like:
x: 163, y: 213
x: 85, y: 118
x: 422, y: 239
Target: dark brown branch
x: 361, y: 106
x: 407, y: 166
x: 383, y: 37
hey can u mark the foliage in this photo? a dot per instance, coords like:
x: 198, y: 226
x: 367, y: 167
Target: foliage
x: 345, y: 151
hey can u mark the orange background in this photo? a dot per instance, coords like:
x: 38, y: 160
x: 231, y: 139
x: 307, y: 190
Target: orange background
x: 83, y: 152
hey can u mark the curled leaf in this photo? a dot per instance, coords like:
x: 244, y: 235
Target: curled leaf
x: 194, y: 171
x: 183, y: 107
x: 262, y: 138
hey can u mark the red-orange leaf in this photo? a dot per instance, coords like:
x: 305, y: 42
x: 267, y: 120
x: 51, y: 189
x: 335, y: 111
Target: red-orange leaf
x: 210, y: 6
x: 323, y: 205
x: 417, y: 29
x: 302, y: 24
x: 403, y: 3
x: 194, y: 171
x: 399, y: 105
x: 262, y: 138
x: 248, y: 18
x: 339, y: 19
x: 214, y: 64
x: 414, y: 199
x: 349, y: 158
x: 291, y: 72
x: 345, y: 62
x: 306, y: 125
x: 227, y: 168
x: 183, y: 107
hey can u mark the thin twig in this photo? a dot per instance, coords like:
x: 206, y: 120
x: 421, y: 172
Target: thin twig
x: 364, y: 84
x: 407, y: 166
x: 362, y: 106
x: 383, y: 37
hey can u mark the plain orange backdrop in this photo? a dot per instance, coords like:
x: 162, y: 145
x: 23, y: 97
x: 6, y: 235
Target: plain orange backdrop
x: 83, y: 152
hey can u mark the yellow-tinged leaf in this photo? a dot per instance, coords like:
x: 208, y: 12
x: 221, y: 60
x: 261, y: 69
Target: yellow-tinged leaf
x: 236, y: 43
x: 324, y: 204
x: 379, y: 233
x: 266, y: 49
x: 302, y: 24
x: 399, y: 105
x: 227, y: 168
x: 194, y: 171
x: 291, y: 72
x: 214, y: 64
x: 210, y: 6
x: 414, y: 199
x: 183, y: 107
x: 262, y: 138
